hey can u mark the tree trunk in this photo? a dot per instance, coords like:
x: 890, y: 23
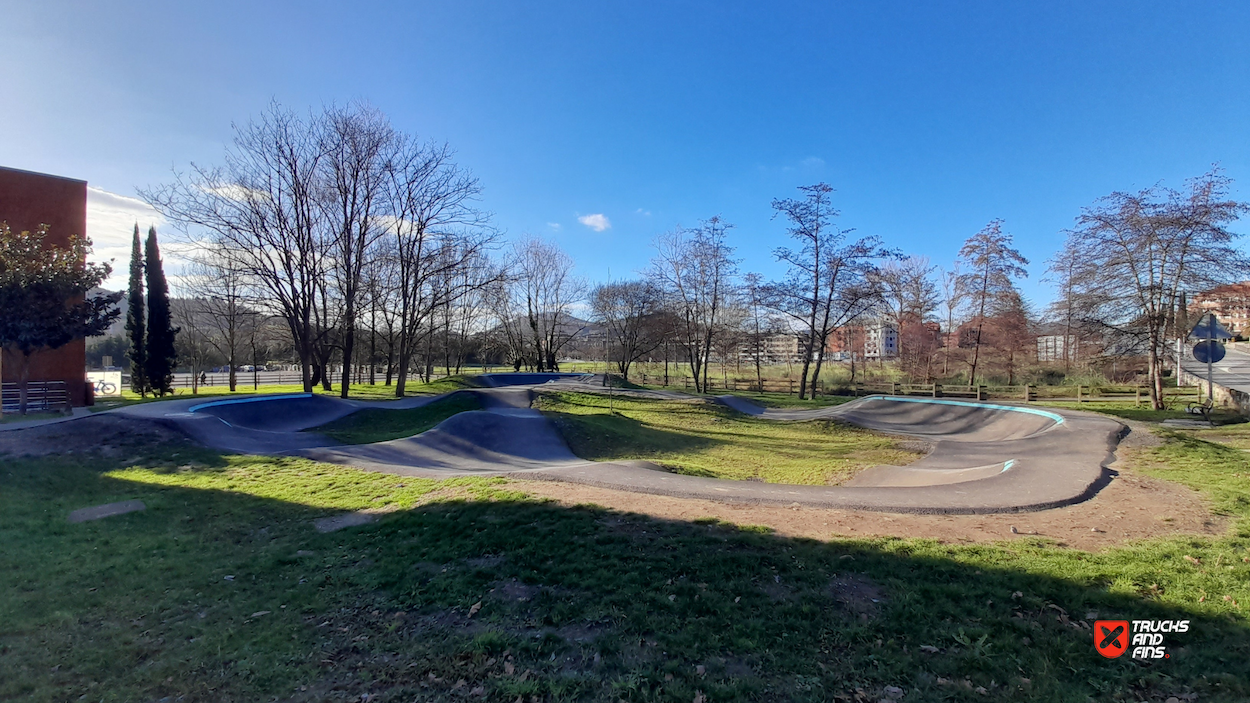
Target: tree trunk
x: 349, y: 344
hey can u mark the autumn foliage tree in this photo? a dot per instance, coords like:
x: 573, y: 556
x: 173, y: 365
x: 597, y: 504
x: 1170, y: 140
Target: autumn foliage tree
x: 43, y: 295
x: 991, y: 264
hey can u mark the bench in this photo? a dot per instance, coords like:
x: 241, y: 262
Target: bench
x: 1201, y: 408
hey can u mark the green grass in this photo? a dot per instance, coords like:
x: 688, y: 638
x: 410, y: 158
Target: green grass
x: 766, y: 399
x: 707, y: 439
x: 380, y: 425
x: 1236, y: 436
x: 15, y: 417
x: 222, y: 590
x: 1129, y: 410
x: 363, y: 391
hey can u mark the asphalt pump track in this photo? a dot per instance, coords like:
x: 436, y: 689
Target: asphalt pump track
x: 983, y: 457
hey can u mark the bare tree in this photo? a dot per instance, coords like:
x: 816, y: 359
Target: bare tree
x: 1062, y: 270
x: 192, y: 343
x: 909, y: 294
x: 1136, y: 253
x: 694, y: 271
x: 953, y: 296
x: 216, y: 292
x: 992, y: 264
x: 359, y: 149
x: 432, y: 207
x: 544, y: 290
x: 757, y: 323
x: 263, y: 205
x: 831, y: 281
x: 625, y: 308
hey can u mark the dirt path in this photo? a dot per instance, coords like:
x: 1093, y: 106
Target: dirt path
x: 1131, y: 507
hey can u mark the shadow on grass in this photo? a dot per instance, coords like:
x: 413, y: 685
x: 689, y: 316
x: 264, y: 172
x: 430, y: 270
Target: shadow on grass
x: 219, y: 594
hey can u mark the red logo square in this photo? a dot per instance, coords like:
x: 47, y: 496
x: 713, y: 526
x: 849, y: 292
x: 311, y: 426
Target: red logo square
x: 1111, y: 637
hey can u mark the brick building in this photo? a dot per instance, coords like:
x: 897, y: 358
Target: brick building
x: 28, y: 200
x: 1231, y: 304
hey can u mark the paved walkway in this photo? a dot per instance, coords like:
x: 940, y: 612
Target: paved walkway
x: 984, y: 458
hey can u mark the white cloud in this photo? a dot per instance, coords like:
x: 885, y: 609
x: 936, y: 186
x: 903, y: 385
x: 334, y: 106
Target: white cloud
x: 644, y: 213
x: 555, y: 226
x: 598, y: 222
x: 111, y: 222
x: 812, y: 162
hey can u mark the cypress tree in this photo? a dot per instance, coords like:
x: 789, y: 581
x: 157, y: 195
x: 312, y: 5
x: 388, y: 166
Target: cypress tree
x: 160, y: 349
x: 135, y: 328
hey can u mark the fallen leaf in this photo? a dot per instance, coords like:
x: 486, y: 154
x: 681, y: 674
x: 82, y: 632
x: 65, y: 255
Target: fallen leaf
x: 1192, y: 560
x: 699, y: 697
x: 259, y: 613
x: 929, y: 649
x: 474, y: 608
x: 700, y: 670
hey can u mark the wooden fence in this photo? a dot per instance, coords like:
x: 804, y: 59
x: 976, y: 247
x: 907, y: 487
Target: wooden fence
x: 1026, y: 393
x: 41, y: 397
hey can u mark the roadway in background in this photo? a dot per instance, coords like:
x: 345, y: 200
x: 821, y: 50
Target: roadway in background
x: 1233, y: 371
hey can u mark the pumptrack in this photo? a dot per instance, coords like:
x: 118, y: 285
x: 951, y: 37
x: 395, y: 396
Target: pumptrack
x: 984, y: 457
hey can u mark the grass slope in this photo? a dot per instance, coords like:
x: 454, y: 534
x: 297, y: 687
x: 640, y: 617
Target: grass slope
x: 706, y: 439
x: 223, y: 591
x: 380, y: 425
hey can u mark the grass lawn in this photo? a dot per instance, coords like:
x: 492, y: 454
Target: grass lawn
x: 769, y: 399
x: 357, y: 392
x: 1236, y: 436
x: 706, y: 439
x: 1129, y: 410
x: 380, y: 425
x: 222, y: 590
x: 15, y: 417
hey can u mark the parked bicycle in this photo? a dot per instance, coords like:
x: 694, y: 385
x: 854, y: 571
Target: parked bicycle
x: 103, y: 387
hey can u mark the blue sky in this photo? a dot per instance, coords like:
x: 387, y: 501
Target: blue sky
x: 930, y: 119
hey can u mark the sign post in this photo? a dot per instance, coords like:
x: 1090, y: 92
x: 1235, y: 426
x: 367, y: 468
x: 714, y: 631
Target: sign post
x: 1210, y: 349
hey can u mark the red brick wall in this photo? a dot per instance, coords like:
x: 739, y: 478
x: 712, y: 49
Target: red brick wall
x: 28, y: 200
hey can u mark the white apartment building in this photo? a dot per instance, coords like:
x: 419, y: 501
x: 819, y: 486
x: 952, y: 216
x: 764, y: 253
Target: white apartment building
x: 880, y: 340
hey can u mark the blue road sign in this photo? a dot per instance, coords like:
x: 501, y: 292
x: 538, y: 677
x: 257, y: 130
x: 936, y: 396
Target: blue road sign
x: 1208, y: 351
x: 1209, y: 328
